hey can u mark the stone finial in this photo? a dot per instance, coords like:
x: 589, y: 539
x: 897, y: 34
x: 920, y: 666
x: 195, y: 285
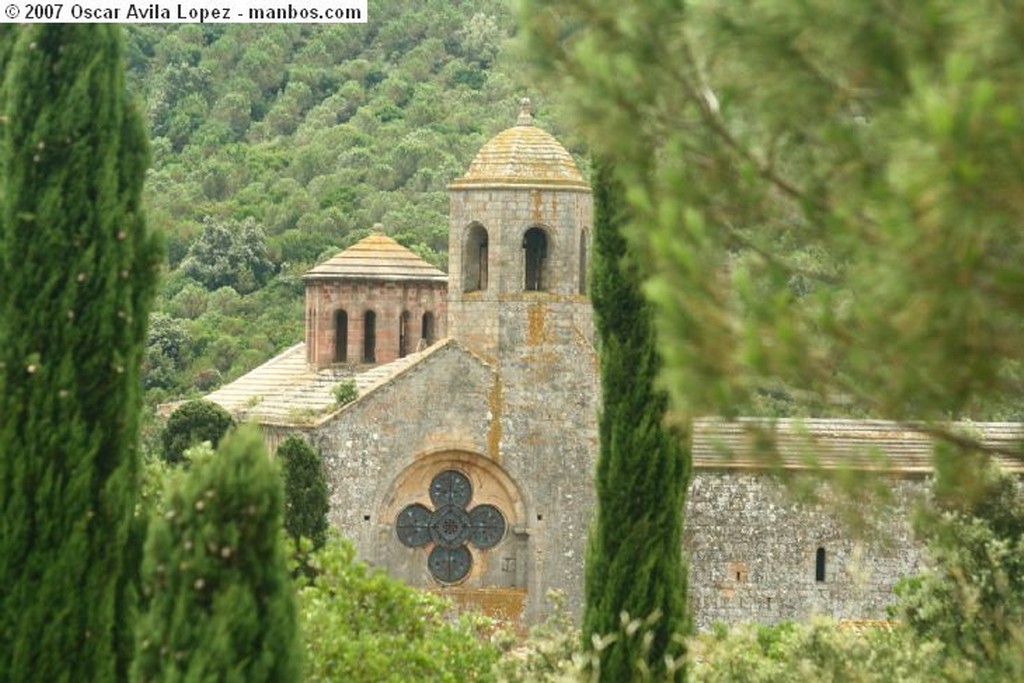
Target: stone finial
x: 377, y: 229
x: 525, y: 113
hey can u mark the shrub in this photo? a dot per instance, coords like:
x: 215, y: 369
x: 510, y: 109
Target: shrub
x: 972, y: 599
x: 819, y: 651
x: 193, y: 423
x: 305, y: 492
x: 551, y: 652
x: 361, y: 626
x: 221, y: 605
x: 345, y: 391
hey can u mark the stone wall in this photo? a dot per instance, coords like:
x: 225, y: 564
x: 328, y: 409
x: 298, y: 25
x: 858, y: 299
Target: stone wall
x: 527, y: 449
x: 753, y: 550
x: 506, y: 214
x: 548, y: 440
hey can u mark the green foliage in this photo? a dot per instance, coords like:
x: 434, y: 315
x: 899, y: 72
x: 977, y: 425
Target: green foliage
x: 550, y: 653
x: 193, y: 423
x: 827, y: 198
x: 634, y: 559
x: 827, y: 193
x: 345, y: 391
x: 362, y: 626
x: 167, y: 350
x: 818, y: 651
x: 220, y: 602
x: 229, y: 257
x: 78, y: 270
x: 554, y: 652
x: 972, y: 600
x: 313, y: 133
x: 305, y: 491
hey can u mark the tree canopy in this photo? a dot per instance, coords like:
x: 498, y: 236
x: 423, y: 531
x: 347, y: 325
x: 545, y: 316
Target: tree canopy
x: 828, y: 196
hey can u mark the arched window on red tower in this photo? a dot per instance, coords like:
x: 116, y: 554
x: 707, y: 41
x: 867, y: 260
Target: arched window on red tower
x: 370, y: 337
x: 403, y: 335
x: 427, y: 334
x: 340, y: 336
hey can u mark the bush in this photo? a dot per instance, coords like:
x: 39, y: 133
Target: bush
x: 362, y: 626
x: 220, y: 600
x: 972, y: 600
x: 345, y: 391
x: 550, y: 654
x: 819, y: 651
x: 193, y: 423
x: 305, y: 492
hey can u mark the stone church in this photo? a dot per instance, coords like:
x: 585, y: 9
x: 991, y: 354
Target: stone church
x: 465, y: 464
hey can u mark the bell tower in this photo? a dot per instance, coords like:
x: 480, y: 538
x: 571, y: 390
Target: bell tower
x: 519, y: 238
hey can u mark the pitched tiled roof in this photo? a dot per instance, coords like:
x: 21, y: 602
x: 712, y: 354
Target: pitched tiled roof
x: 522, y: 155
x: 376, y: 257
x: 856, y: 444
x: 286, y: 391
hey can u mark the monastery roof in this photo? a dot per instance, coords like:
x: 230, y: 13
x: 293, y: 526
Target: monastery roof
x: 855, y: 444
x: 376, y: 257
x: 286, y: 391
x: 522, y: 155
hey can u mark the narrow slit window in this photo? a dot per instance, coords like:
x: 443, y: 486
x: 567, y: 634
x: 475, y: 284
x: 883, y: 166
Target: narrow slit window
x: 403, y: 335
x: 370, y: 337
x: 340, y: 336
x: 819, y: 565
x: 584, y: 248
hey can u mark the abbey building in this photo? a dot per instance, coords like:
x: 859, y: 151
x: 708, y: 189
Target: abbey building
x: 466, y: 463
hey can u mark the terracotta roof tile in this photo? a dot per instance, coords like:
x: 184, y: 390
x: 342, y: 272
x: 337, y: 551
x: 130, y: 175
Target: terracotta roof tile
x: 376, y: 257
x: 856, y: 444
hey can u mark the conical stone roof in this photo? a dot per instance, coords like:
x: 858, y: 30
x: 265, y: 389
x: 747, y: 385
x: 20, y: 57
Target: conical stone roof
x: 376, y: 257
x: 522, y: 155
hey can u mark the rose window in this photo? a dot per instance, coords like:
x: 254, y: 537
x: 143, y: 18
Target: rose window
x: 450, y: 526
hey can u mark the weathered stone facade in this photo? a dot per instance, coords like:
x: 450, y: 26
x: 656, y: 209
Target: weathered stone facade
x: 508, y: 402
x: 757, y: 555
x: 467, y: 467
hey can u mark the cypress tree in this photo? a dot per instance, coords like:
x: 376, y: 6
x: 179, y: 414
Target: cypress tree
x: 305, y: 492
x: 634, y: 557
x: 220, y: 597
x: 77, y: 269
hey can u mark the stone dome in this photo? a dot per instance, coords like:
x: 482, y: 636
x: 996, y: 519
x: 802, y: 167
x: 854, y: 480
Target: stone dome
x: 522, y: 155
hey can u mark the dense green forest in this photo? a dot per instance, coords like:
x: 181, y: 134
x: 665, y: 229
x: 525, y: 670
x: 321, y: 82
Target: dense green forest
x: 275, y: 146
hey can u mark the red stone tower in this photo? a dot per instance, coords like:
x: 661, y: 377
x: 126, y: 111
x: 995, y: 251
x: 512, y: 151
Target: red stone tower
x: 373, y: 303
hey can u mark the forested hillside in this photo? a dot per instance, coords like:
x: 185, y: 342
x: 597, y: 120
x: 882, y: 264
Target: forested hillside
x: 276, y: 145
